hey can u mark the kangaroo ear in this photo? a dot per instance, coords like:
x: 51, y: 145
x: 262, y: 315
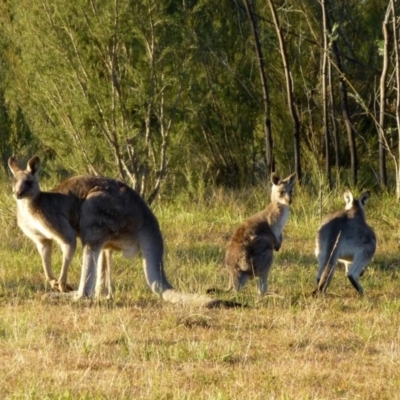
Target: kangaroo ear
x: 13, y: 165
x: 33, y: 165
x: 275, y: 179
x: 290, y: 179
x: 364, y: 197
x: 348, y: 198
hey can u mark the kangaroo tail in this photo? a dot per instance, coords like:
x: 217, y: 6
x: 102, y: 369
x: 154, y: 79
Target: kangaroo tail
x: 173, y: 296
x: 330, y: 267
x: 152, y: 249
x: 326, y: 277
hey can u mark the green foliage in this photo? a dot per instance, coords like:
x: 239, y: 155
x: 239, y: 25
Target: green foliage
x: 169, y: 91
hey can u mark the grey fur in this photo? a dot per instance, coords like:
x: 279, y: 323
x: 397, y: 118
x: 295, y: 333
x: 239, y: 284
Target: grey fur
x: 108, y: 216
x: 345, y: 236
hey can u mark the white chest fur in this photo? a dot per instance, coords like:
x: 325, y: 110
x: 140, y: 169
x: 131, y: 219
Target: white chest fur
x: 32, y: 225
x: 279, y: 223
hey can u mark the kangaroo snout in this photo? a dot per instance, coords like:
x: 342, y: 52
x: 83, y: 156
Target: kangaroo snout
x: 19, y: 194
x: 23, y: 191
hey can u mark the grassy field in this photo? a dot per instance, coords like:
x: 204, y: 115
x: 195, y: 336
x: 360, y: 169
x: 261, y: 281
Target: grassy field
x: 288, y: 345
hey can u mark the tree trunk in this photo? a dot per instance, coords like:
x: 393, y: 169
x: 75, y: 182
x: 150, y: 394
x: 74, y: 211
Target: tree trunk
x: 382, y: 99
x: 289, y: 90
x: 397, y: 72
x: 263, y: 78
x: 325, y: 96
x: 335, y: 130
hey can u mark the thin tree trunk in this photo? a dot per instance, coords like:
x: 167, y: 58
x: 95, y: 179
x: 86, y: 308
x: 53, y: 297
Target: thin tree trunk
x: 264, y: 85
x: 382, y: 100
x: 397, y: 71
x: 290, y: 96
x: 325, y: 96
x: 335, y: 130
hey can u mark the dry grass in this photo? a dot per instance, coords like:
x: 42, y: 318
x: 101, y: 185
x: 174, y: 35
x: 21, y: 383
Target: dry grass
x: 286, y: 346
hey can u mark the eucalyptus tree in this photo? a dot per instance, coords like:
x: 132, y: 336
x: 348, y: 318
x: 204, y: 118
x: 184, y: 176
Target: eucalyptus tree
x: 396, y: 63
x: 324, y: 81
x: 290, y: 91
x: 250, y: 9
x: 383, y: 147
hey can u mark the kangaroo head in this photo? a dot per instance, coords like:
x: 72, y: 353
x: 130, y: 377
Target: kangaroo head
x: 356, y: 204
x: 282, y: 189
x: 25, y: 182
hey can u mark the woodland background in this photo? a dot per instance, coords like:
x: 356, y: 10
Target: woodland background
x: 194, y: 102
x: 172, y: 94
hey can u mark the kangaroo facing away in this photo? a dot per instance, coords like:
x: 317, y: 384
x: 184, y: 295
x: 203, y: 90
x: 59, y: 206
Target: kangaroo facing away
x: 345, y: 236
x: 107, y: 215
x: 250, y: 251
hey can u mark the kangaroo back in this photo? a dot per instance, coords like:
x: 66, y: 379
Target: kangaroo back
x: 115, y: 217
x: 346, y: 236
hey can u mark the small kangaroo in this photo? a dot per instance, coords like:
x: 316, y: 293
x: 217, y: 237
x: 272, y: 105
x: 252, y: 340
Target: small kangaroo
x: 250, y: 250
x: 345, y: 236
x: 107, y: 215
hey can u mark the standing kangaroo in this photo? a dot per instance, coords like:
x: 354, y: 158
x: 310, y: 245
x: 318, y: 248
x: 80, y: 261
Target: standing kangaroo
x: 46, y: 217
x: 107, y: 215
x: 250, y: 250
x: 345, y: 236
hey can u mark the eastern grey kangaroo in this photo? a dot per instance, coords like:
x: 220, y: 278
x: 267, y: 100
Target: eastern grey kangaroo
x: 250, y: 251
x: 345, y: 236
x: 107, y: 215
x: 46, y: 217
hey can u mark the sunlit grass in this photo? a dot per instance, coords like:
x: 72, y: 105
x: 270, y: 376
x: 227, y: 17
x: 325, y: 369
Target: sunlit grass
x: 288, y: 345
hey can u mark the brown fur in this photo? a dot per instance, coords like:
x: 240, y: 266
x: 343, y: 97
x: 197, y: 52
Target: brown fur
x: 250, y: 251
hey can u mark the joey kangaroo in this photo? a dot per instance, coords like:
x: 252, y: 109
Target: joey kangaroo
x: 345, y: 236
x: 250, y: 251
x: 107, y: 215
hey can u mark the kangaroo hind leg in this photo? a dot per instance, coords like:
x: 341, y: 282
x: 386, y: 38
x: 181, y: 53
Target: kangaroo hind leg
x: 91, y: 255
x: 264, y: 272
x: 237, y: 280
x: 356, y: 269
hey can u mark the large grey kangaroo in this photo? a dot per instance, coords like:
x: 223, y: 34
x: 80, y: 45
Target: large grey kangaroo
x: 107, y: 215
x: 345, y: 236
x: 250, y: 251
